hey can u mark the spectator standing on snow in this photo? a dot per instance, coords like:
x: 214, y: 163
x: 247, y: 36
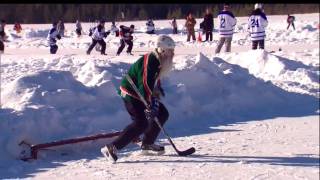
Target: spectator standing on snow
x: 290, y: 21
x: 126, y: 38
x: 17, y: 27
x: 146, y: 74
x: 3, y: 36
x: 174, y: 26
x: 52, y: 36
x: 190, y: 23
x: 97, y: 37
x: 257, y: 24
x: 208, y: 24
x: 227, y: 22
x: 78, y: 28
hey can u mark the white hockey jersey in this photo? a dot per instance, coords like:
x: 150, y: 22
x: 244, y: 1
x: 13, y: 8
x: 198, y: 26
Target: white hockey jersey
x: 150, y: 26
x: 257, y: 24
x: 98, y: 35
x: 114, y: 28
x: 227, y: 22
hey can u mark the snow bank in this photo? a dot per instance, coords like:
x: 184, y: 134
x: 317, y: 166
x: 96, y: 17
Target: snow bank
x: 214, y: 90
x: 286, y: 73
x: 80, y: 98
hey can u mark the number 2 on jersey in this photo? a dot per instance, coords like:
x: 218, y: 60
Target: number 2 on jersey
x: 222, y: 22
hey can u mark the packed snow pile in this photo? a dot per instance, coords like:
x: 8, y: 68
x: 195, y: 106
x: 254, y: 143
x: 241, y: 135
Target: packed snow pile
x: 286, y: 73
x: 55, y: 104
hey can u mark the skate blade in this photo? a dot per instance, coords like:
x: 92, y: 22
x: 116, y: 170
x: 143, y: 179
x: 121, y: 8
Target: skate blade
x: 151, y: 153
x: 105, y: 153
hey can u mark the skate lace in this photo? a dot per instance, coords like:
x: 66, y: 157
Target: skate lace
x: 114, y: 149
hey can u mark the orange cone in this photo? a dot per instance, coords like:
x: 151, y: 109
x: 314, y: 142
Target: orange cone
x: 199, y: 37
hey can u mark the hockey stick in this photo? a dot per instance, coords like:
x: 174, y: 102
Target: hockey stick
x: 180, y: 153
x: 242, y: 41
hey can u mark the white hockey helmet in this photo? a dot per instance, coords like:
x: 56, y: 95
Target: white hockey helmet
x: 165, y: 42
x: 258, y: 6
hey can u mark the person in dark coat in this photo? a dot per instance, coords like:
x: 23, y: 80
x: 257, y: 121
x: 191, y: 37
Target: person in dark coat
x: 290, y: 21
x: 3, y: 36
x: 208, y: 24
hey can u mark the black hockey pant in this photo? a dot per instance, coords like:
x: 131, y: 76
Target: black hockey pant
x: 1, y: 46
x: 292, y: 26
x: 175, y: 30
x: 53, y: 49
x: 78, y: 31
x: 258, y: 42
x: 122, y: 45
x: 208, y: 35
x: 140, y: 125
x: 93, y: 44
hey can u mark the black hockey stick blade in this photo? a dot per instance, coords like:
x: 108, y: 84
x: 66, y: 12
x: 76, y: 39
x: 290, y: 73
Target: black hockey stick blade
x: 187, y: 152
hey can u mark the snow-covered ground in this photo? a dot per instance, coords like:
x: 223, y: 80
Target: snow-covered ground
x: 249, y: 114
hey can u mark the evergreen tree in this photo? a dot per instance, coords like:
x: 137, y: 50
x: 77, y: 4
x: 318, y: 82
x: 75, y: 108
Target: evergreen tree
x: 47, y: 13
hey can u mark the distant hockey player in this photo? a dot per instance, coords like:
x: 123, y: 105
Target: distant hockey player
x: 174, y: 26
x: 227, y: 22
x: 257, y: 24
x: 126, y: 38
x: 146, y: 74
x: 61, y: 28
x: 17, y: 27
x: 3, y: 36
x: 190, y: 23
x: 92, y: 28
x: 114, y: 29
x: 52, y: 36
x: 97, y: 37
x: 290, y: 21
x: 78, y: 28
x: 150, y: 26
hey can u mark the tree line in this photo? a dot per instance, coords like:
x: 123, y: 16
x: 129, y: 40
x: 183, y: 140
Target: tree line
x: 47, y: 13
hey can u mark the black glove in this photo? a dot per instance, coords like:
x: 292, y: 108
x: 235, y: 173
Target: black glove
x: 153, y: 110
x: 90, y: 32
x: 106, y: 33
x: 58, y: 36
x: 158, y: 92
